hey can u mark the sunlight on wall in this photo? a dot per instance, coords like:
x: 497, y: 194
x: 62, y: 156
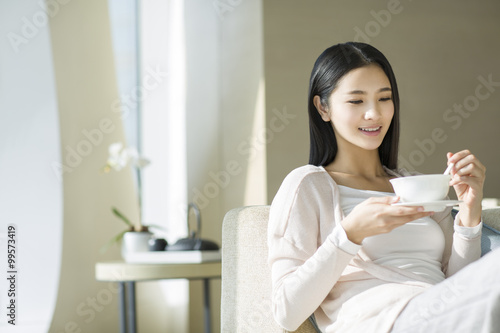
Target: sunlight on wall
x: 256, y: 180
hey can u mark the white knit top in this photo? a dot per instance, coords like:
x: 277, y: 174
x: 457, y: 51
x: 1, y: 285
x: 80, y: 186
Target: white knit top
x: 416, y: 246
x: 352, y: 288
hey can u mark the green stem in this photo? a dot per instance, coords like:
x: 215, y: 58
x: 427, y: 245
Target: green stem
x: 121, y: 216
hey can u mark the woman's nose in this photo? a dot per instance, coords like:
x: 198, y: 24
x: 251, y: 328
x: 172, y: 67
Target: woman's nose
x: 372, y: 113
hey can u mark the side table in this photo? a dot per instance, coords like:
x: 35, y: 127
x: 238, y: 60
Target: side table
x: 126, y: 275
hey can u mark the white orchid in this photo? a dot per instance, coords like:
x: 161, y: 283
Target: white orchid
x: 120, y: 157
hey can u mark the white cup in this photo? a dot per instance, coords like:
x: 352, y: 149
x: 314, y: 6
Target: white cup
x: 422, y: 188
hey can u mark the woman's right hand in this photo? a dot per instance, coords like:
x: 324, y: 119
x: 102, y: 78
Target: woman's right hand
x: 376, y: 216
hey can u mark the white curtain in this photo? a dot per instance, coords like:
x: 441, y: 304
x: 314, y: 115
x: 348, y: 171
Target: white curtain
x: 30, y: 176
x: 163, y: 136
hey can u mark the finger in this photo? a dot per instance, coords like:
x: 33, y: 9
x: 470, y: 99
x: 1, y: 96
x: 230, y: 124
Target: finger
x: 400, y: 210
x: 454, y: 158
x: 473, y: 182
x: 457, y: 180
x: 459, y: 163
x: 467, y: 170
x: 470, y: 166
x: 414, y: 217
x: 399, y: 221
x: 466, y: 160
x: 448, y: 157
x: 471, y: 170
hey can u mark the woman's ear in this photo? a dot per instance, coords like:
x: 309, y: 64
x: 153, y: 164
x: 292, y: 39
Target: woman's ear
x: 322, y: 109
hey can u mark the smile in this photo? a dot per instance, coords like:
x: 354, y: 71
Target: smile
x: 370, y: 129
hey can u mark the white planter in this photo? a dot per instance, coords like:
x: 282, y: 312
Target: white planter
x: 134, y: 242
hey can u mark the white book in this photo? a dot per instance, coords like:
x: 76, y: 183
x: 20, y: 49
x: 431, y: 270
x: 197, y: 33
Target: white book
x: 172, y: 257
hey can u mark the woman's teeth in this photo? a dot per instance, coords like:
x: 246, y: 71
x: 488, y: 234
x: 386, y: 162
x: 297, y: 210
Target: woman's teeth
x: 370, y: 129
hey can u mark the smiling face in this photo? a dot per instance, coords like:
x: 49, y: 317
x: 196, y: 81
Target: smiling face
x: 360, y: 108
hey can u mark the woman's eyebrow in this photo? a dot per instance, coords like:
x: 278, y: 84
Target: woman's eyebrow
x: 361, y: 92
x: 357, y: 92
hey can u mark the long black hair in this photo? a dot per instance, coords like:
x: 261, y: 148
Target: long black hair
x: 335, y: 62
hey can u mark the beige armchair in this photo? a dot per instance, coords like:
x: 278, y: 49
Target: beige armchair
x: 246, y: 277
x: 246, y: 281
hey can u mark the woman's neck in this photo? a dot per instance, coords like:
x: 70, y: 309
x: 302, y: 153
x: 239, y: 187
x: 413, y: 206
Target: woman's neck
x: 365, y: 164
x: 361, y: 171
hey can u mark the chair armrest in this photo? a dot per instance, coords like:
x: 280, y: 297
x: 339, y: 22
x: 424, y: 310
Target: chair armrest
x: 490, y: 238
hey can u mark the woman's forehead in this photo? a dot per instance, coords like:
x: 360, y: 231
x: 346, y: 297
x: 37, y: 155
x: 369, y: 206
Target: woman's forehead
x: 366, y: 79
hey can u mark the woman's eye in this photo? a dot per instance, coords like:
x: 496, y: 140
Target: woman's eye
x: 384, y: 99
x: 358, y: 101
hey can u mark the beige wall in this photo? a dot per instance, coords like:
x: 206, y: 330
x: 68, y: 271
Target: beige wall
x: 438, y: 51
x: 86, y: 92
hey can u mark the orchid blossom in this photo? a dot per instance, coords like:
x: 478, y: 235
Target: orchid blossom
x: 120, y: 157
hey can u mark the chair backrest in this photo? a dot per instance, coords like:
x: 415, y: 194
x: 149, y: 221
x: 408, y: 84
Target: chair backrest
x: 246, y: 277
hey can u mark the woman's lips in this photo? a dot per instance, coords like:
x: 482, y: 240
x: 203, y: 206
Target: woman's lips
x: 370, y: 131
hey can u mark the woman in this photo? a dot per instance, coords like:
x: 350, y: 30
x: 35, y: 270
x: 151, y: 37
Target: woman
x: 338, y: 248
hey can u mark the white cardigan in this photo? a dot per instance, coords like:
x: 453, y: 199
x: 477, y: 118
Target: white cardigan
x: 312, y: 274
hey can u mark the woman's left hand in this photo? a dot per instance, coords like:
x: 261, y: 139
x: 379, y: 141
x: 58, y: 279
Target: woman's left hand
x: 468, y: 175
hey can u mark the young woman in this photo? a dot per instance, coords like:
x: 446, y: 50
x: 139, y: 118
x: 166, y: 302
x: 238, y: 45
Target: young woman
x: 340, y: 251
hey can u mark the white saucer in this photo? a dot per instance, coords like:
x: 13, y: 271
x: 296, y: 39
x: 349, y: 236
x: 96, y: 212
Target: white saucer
x: 431, y: 206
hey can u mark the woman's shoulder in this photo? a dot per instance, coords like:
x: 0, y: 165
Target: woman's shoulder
x: 298, y: 201
x: 306, y: 181
x: 306, y: 174
x: 306, y: 171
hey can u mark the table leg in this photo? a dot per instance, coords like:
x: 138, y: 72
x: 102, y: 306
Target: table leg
x: 132, y: 326
x: 121, y: 307
x: 206, y: 305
